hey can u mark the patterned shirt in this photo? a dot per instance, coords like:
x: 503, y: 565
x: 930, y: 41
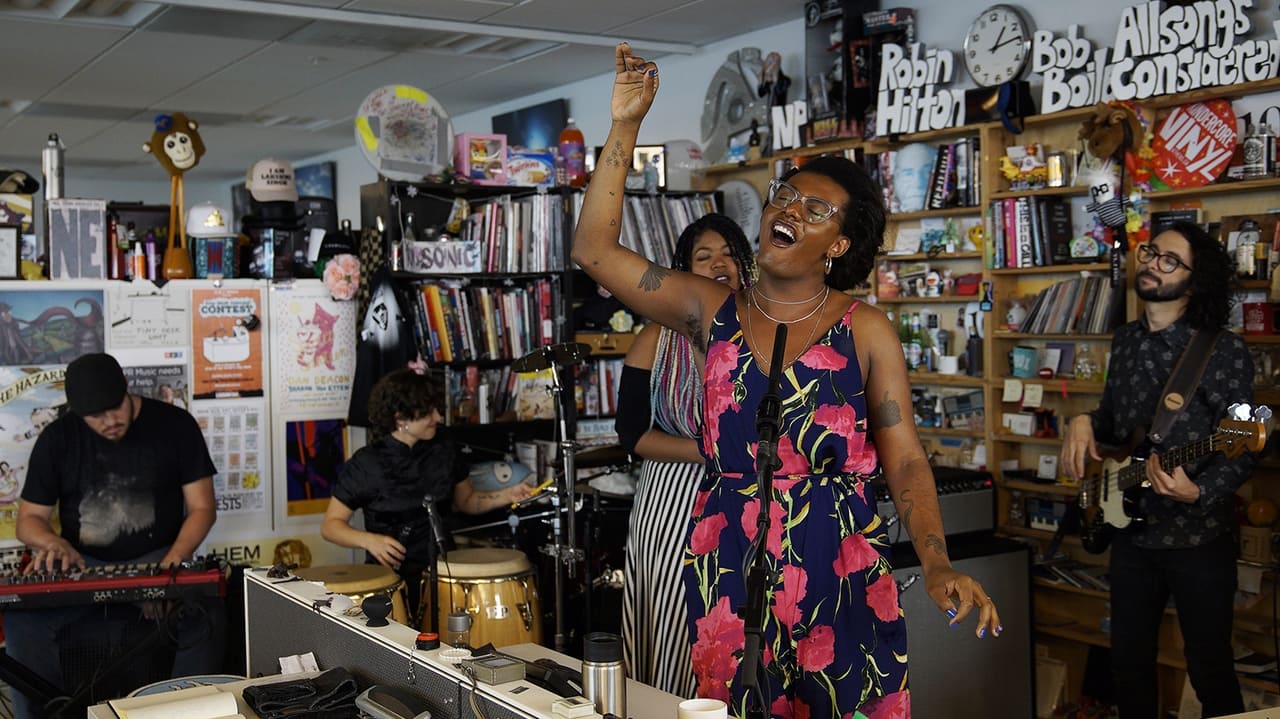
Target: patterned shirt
x: 1141, y: 362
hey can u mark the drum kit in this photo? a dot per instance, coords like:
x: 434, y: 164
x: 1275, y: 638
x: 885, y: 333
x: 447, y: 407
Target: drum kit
x: 497, y: 587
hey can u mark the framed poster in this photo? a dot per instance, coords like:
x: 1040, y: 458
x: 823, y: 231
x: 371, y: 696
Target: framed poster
x: 10, y: 251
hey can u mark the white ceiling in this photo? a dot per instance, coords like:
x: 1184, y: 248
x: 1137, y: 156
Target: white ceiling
x: 286, y: 78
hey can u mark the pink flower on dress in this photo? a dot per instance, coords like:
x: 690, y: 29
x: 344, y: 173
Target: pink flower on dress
x: 706, y: 534
x: 751, y: 512
x: 823, y: 357
x: 841, y: 419
x: 700, y: 503
x: 786, y: 601
x: 342, y: 276
x: 856, y: 554
x: 785, y: 708
x: 816, y: 651
x: 792, y: 461
x: 722, y: 360
x: 890, y: 706
x: 882, y: 597
x: 720, y: 634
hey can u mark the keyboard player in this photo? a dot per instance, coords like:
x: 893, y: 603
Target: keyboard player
x: 132, y: 481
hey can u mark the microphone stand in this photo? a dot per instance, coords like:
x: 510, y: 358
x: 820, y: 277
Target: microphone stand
x: 437, y: 550
x: 759, y: 578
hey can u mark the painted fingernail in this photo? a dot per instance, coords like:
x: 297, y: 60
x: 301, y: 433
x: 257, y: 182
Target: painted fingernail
x: 982, y: 632
x: 999, y: 628
x: 653, y: 72
x: 951, y: 613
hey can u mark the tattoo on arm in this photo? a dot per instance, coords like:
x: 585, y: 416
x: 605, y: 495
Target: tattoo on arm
x: 908, y: 506
x: 651, y: 280
x: 887, y: 413
x: 617, y: 157
x: 936, y: 543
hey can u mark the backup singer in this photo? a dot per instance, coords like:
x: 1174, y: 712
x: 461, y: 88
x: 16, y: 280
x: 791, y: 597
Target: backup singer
x: 132, y: 480
x: 391, y: 477
x: 835, y: 640
x: 659, y: 411
x: 1186, y: 547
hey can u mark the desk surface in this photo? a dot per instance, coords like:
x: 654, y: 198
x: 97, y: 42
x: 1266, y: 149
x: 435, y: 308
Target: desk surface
x: 104, y: 711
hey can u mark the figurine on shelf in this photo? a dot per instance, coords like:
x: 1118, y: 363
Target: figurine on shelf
x: 773, y: 83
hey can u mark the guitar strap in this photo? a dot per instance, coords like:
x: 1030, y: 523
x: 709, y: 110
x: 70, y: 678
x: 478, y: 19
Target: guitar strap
x: 1182, y: 383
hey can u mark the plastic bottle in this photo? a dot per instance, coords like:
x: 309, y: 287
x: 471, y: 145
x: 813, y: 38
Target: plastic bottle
x: 115, y: 268
x: 572, y: 149
x: 51, y: 164
x: 915, y: 346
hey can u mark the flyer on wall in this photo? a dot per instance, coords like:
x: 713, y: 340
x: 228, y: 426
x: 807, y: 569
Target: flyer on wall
x: 143, y: 315
x: 235, y: 432
x: 226, y: 343
x: 30, y: 398
x: 159, y: 373
x: 315, y: 451
x: 313, y: 341
x: 49, y: 327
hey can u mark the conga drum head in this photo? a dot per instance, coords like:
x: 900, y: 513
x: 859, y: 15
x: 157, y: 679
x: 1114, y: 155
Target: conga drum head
x: 360, y: 581
x: 483, y: 562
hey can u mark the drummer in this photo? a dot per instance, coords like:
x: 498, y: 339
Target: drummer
x: 394, y: 478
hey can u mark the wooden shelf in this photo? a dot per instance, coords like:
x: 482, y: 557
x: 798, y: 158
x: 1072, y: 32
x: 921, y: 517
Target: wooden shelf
x: 881, y: 144
x: 1005, y: 335
x: 1265, y: 184
x: 767, y: 162
x: 925, y: 214
x: 1038, y: 534
x: 1059, y: 385
x: 1020, y: 439
x: 1212, y: 93
x: 942, y: 257
x: 947, y: 432
x: 1261, y: 339
x: 1023, y: 485
x: 1067, y: 191
x: 943, y: 300
x: 950, y: 380
x: 1052, y: 269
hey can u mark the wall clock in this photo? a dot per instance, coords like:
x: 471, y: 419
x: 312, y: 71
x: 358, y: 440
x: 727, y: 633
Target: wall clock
x: 997, y: 45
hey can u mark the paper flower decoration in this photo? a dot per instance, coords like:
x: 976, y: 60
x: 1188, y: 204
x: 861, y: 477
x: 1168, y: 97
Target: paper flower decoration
x: 342, y: 276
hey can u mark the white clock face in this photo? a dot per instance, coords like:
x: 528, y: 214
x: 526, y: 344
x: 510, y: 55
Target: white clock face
x: 997, y: 46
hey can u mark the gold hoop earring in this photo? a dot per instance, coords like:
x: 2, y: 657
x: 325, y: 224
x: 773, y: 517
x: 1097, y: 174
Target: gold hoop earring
x: 828, y: 264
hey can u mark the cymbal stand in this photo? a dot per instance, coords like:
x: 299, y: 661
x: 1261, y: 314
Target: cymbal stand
x: 566, y: 553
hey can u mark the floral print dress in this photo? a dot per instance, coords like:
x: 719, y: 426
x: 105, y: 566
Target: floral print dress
x: 835, y: 640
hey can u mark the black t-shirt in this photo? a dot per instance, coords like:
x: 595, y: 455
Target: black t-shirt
x: 389, y: 480
x: 119, y: 500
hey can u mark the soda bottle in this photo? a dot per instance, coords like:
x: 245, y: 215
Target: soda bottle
x: 573, y: 150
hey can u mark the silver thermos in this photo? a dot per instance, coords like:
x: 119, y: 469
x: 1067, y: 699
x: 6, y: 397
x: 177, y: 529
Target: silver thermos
x: 51, y: 162
x: 603, y: 680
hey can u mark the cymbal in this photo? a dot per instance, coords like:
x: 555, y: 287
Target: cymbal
x: 565, y: 353
x: 600, y: 456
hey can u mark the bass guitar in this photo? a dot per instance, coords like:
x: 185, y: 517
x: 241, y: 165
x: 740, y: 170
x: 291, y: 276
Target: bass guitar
x: 1110, y: 499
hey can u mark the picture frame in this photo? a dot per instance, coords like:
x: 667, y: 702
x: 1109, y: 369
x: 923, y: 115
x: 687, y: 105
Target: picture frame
x: 10, y: 251
x: 317, y: 180
x: 641, y: 156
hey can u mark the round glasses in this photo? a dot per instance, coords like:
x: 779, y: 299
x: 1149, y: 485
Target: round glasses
x: 1165, y: 262
x: 816, y: 209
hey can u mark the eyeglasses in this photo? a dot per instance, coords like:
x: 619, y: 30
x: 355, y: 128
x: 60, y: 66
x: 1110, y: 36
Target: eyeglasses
x: 1165, y: 262
x: 816, y: 209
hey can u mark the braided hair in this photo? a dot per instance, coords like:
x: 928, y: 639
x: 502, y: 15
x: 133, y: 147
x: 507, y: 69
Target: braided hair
x: 864, y: 218
x: 739, y: 248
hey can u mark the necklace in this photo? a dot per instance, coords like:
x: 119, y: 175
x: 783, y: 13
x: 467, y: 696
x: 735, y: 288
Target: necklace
x: 751, y: 333
x: 825, y: 293
x: 755, y: 289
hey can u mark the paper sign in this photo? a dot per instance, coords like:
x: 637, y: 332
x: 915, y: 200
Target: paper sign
x: 1012, y: 390
x: 1032, y: 395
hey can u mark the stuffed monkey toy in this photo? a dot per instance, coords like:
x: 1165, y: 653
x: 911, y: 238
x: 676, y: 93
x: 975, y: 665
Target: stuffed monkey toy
x: 1109, y: 134
x: 178, y: 147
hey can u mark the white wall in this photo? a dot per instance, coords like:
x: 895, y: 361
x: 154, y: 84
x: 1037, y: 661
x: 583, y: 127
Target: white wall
x: 677, y: 112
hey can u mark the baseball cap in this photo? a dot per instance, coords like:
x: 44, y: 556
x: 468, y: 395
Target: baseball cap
x: 94, y: 383
x: 208, y: 220
x: 271, y: 180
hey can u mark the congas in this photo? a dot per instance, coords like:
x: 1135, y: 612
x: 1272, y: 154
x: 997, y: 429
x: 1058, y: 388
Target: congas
x: 497, y: 588
x: 360, y: 581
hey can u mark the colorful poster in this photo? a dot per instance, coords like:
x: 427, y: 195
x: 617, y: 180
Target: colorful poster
x: 226, y: 346
x: 313, y: 350
x: 150, y: 317
x: 157, y: 372
x: 30, y: 399
x: 315, y: 451
x: 295, y: 551
x: 235, y: 433
x: 49, y: 327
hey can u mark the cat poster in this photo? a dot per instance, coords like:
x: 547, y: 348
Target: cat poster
x: 313, y: 341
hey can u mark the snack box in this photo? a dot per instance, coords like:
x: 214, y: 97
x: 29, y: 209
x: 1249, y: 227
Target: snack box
x: 482, y: 158
x: 529, y: 167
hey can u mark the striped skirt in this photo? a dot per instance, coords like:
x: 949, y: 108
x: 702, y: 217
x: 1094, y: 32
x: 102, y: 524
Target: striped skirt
x: 655, y: 634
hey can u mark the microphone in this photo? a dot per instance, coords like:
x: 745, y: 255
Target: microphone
x: 437, y: 526
x: 768, y: 415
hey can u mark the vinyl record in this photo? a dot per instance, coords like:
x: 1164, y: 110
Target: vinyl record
x: 1182, y: 162
x: 742, y: 204
x: 404, y: 133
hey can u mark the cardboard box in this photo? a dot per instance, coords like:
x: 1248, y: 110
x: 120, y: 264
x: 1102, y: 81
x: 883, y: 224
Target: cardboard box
x: 77, y: 239
x: 482, y: 158
x: 1260, y: 318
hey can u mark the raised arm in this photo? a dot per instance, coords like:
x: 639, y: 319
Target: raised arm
x: 679, y: 300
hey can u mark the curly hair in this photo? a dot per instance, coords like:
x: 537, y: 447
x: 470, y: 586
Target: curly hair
x: 864, y: 218
x: 403, y: 394
x: 739, y: 247
x: 1213, y: 278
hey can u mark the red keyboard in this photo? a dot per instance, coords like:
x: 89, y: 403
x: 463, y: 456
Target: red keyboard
x: 108, y: 585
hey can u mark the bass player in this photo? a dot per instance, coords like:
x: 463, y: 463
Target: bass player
x: 1185, y: 547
